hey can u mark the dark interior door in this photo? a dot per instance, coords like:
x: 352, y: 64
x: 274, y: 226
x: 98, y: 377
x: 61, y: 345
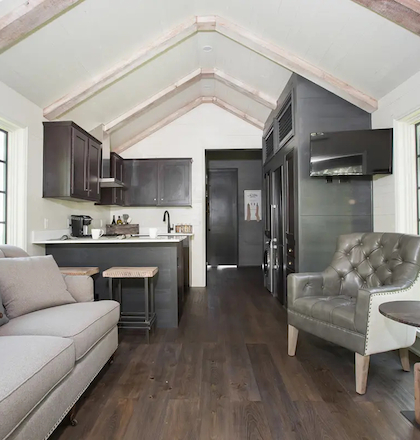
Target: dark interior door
x: 222, y: 219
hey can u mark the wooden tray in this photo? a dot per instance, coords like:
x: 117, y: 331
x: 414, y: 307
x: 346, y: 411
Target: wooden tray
x: 122, y: 229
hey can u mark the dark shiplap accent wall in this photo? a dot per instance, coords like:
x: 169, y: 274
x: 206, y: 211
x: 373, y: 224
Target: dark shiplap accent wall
x: 249, y: 165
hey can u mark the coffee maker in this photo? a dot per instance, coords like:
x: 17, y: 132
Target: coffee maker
x: 80, y: 225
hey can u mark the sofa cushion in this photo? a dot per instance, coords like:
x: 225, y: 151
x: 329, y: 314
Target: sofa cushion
x: 84, y: 323
x: 337, y: 310
x: 31, y: 283
x: 3, y: 317
x: 30, y: 367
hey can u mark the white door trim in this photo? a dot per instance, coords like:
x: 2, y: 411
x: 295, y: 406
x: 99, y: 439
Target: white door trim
x: 405, y: 174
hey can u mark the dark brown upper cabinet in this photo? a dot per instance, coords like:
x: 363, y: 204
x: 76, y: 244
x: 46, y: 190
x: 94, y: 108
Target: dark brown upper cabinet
x: 114, y: 195
x: 174, y: 178
x: 158, y: 182
x: 72, y: 162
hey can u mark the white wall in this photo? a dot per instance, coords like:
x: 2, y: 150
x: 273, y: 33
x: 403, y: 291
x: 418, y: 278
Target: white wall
x: 206, y: 127
x: 401, y: 102
x: 19, y: 111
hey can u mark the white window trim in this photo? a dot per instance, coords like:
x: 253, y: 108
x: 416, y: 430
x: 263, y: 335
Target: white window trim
x: 17, y: 228
x: 405, y: 173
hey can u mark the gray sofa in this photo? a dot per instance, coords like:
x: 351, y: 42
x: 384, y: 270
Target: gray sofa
x: 341, y: 304
x: 49, y: 357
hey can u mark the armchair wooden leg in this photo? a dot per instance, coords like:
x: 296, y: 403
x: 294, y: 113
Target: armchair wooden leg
x: 362, y: 369
x: 292, y: 340
x: 405, y: 359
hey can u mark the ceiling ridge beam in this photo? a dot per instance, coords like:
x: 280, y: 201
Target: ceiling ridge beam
x: 181, y: 112
x: 182, y: 84
x: 153, y: 101
x: 28, y: 17
x: 405, y: 13
x: 230, y: 30
x: 295, y: 64
x: 142, y: 56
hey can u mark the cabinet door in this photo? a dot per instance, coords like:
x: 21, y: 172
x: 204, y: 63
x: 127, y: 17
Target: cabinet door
x: 94, y: 169
x: 174, y: 182
x: 79, y: 159
x: 142, y: 179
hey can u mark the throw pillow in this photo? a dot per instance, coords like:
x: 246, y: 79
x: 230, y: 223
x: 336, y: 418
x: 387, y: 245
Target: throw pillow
x: 3, y: 318
x: 31, y: 283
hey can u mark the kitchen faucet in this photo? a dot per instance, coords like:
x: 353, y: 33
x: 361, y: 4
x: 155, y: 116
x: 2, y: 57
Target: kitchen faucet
x: 169, y: 221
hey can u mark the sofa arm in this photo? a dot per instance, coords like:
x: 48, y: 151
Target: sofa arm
x: 382, y: 333
x: 300, y: 285
x: 80, y: 287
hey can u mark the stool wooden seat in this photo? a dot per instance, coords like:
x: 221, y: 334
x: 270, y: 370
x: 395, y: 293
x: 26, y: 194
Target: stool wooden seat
x: 147, y: 318
x: 130, y: 272
x: 88, y: 271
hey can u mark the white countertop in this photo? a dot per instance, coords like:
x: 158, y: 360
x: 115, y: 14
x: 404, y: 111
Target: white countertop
x: 167, y: 238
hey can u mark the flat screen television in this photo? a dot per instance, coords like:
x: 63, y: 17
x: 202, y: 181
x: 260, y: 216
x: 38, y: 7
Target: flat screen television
x: 351, y: 153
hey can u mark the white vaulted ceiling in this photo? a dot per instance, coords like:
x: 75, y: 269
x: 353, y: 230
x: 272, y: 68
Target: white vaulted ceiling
x: 338, y: 37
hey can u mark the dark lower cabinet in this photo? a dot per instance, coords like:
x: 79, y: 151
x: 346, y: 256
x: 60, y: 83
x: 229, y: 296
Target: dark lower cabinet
x: 72, y: 162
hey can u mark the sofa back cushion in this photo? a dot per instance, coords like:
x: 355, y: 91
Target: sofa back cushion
x: 31, y: 283
x: 366, y: 260
x: 3, y: 317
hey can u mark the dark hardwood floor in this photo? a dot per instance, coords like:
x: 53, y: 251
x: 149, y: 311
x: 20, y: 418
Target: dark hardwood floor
x: 224, y: 374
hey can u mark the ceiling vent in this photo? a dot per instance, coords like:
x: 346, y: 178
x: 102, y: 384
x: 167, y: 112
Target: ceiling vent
x: 285, y: 122
x: 269, y: 145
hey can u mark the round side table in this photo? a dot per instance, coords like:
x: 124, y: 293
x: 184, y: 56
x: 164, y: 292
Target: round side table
x: 407, y: 312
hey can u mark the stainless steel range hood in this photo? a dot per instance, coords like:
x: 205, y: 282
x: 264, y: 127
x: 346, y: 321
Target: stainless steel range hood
x: 111, y: 182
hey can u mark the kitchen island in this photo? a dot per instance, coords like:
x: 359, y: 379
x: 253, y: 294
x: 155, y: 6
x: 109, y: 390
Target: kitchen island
x: 168, y: 253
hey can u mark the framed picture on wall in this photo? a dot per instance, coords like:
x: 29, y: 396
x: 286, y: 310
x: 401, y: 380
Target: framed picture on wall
x: 252, y: 204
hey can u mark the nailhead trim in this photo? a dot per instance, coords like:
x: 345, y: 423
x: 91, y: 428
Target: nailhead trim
x: 387, y: 293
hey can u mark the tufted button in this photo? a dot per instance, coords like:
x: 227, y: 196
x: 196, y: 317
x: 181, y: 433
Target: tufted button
x: 342, y: 278
x: 322, y: 287
x: 367, y: 258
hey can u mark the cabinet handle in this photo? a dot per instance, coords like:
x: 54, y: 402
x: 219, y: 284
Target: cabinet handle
x: 154, y: 200
x: 161, y: 200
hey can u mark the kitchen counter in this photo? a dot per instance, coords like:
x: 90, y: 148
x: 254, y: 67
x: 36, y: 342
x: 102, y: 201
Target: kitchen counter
x: 172, y: 238
x: 170, y: 253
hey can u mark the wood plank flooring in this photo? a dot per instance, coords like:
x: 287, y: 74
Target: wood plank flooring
x: 225, y: 374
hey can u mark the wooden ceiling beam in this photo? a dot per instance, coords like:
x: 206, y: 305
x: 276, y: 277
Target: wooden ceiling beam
x: 152, y: 102
x: 156, y: 127
x: 28, y: 17
x: 235, y: 33
x: 405, y: 13
x: 145, y: 54
x: 182, y: 84
x: 182, y: 111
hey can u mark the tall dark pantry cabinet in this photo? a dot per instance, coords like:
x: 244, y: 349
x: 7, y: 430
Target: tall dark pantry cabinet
x: 304, y: 215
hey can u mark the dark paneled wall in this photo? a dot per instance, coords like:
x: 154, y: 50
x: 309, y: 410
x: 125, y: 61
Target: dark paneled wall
x: 249, y: 165
x: 327, y: 209
x: 323, y: 210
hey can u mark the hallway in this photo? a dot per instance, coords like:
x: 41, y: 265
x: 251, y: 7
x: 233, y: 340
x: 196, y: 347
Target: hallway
x: 224, y: 374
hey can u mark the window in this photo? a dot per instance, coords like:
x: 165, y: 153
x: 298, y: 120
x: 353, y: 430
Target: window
x: 417, y: 127
x: 3, y: 185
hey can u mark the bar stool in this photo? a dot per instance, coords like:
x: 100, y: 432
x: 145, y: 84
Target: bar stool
x: 144, y: 320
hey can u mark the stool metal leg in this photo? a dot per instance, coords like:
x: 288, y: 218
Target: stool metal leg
x: 152, y: 300
x: 111, y: 293
x: 120, y: 292
x: 146, y: 306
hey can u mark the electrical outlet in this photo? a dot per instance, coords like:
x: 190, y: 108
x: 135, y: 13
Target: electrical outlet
x: 45, y: 223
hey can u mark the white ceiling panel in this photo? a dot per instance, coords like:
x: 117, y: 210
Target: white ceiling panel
x: 138, y: 86
x: 342, y: 38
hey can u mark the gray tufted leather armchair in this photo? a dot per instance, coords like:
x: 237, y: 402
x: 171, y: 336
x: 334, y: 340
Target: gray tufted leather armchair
x: 341, y: 304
